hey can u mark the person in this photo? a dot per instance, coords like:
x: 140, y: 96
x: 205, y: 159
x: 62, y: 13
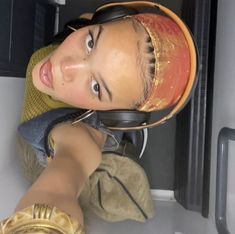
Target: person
x: 139, y: 63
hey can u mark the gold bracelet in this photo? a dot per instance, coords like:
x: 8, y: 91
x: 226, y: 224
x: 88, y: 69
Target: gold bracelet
x: 41, y: 218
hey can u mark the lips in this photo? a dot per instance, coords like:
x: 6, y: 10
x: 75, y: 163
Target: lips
x: 45, y: 74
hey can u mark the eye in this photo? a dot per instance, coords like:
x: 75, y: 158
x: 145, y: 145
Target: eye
x: 95, y: 88
x: 89, y: 42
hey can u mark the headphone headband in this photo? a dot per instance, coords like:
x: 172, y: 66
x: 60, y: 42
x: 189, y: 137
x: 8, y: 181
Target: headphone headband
x: 193, y: 55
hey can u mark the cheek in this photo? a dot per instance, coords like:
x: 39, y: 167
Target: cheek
x: 76, y: 96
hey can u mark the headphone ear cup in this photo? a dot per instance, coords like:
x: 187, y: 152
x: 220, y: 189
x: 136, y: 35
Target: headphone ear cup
x: 123, y: 118
x: 112, y: 13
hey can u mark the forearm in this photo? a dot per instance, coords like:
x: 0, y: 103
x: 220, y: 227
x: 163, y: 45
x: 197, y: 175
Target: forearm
x: 64, y: 175
x: 59, y: 185
x: 62, y: 181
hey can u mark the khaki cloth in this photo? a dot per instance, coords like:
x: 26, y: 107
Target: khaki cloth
x: 117, y: 190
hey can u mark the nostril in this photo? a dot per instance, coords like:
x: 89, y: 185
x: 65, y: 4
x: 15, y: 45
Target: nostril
x: 67, y: 70
x: 72, y: 67
x: 66, y: 74
x: 67, y: 78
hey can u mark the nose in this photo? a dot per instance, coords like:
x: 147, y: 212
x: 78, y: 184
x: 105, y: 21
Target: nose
x: 73, y: 67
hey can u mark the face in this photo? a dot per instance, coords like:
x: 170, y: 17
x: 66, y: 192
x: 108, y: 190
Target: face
x: 96, y: 67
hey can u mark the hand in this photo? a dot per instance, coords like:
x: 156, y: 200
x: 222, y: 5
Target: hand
x: 68, y: 134
x: 79, y: 142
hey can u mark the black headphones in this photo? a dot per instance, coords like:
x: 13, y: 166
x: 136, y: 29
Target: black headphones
x: 133, y: 119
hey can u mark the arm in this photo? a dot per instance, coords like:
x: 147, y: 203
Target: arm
x: 77, y: 155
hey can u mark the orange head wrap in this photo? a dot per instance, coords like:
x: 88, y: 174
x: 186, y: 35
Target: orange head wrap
x: 173, y: 61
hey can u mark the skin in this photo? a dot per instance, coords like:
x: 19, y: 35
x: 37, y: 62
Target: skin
x: 80, y: 64
x: 77, y: 65
x: 77, y: 155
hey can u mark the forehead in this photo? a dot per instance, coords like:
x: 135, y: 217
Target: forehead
x: 122, y: 45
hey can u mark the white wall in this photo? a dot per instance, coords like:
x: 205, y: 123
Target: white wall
x: 12, y: 184
x: 224, y: 99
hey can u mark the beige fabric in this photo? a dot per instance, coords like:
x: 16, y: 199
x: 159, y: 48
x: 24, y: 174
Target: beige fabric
x: 118, y: 190
x: 104, y: 193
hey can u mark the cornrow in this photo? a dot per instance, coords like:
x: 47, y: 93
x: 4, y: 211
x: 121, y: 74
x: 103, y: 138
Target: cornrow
x: 152, y: 70
x: 148, y: 39
x: 149, y: 73
x: 150, y: 49
x: 152, y: 61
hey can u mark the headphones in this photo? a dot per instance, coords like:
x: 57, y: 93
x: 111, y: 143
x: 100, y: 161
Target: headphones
x: 133, y: 119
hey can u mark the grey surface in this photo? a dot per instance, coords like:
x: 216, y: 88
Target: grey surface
x: 12, y: 182
x: 225, y: 135
x: 158, y: 160
x: 171, y: 218
x: 223, y: 103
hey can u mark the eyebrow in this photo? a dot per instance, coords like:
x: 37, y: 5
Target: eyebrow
x: 106, y: 88
x: 100, y: 30
x: 104, y: 84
